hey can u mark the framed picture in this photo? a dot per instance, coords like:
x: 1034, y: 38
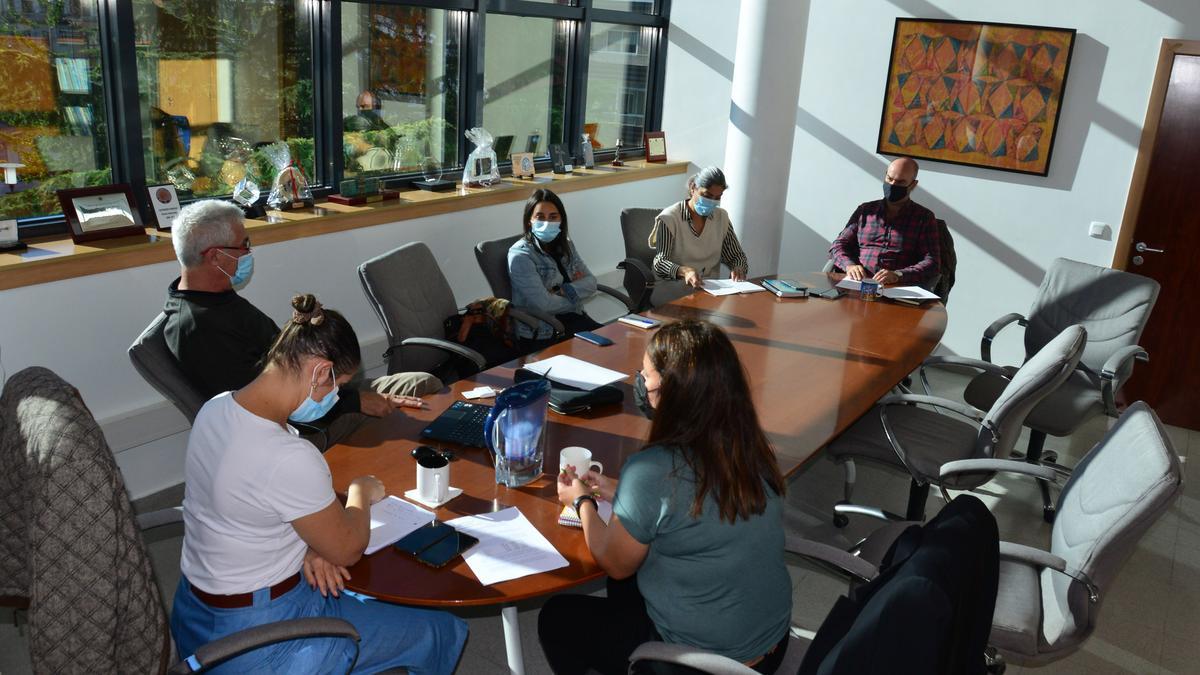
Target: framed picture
x: 101, y: 212
x: 981, y: 94
x: 522, y: 165
x: 560, y: 159
x: 656, y: 146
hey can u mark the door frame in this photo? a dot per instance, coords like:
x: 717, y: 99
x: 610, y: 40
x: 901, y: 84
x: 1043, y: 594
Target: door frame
x: 1137, y: 185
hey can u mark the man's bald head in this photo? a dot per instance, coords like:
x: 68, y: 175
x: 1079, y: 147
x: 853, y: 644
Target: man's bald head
x: 903, y: 170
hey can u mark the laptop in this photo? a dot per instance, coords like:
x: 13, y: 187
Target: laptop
x: 461, y: 423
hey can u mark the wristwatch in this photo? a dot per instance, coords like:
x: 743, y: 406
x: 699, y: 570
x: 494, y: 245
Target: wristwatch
x: 579, y: 502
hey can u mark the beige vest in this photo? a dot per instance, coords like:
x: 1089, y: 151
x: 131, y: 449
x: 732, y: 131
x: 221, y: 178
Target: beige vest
x: 702, y: 253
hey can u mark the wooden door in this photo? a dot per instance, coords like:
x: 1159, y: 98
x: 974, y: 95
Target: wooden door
x: 1160, y: 237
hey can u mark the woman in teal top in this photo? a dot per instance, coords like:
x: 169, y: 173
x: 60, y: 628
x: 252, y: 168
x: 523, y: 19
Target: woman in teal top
x: 694, y: 548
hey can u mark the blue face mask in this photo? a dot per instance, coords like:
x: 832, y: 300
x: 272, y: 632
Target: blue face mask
x: 545, y: 230
x: 245, y: 269
x: 311, y: 410
x: 704, y: 205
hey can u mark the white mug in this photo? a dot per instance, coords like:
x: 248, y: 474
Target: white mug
x: 433, y: 479
x: 580, y: 458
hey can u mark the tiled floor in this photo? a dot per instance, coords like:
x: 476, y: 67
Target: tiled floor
x: 1149, y: 621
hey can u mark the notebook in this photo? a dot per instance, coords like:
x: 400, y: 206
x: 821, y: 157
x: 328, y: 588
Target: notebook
x: 569, y: 518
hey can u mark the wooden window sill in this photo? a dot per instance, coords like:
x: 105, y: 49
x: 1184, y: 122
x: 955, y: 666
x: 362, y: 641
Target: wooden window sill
x: 55, y: 258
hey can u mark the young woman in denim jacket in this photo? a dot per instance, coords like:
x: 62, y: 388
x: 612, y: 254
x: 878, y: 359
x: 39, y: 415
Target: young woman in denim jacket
x: 546, y: 271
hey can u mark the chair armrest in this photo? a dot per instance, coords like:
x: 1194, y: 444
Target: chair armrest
x: 617, y: 295
x: 961, y: 466
x: 639, y: 267
x: 1047, y: 560
x: 1115, y: 370
x: 250, y: 639
x: 692, y: 657
x: 964, y: 409
x: 990, y: 333
x: 639, y: 282
x: 159, y: 518
x: 958, y: 362
x: 869, y: 511
x: 447, y: 346
x: 532, y: 317
x: 832, y: 555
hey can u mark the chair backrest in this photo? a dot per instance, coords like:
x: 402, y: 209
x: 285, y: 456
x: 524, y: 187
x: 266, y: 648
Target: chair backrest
x: 1112, y: 305
x: 492, y: 257
x: 1114, y: 495
x: 1036, y: 380
x: 68, y: 537
x: 636, y: 224
x: 157, y: 365
x: 947, y: 264
x: 412, y: 298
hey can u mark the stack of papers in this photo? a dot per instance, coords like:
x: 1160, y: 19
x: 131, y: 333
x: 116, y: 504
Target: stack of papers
x: 730, y: 287
x: 909, y: 293
x: 574, y: 372
x: 509, y: 547
x: 392, y: 519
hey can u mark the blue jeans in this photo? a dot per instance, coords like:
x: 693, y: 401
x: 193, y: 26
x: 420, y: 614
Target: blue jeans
x: 420, y: 640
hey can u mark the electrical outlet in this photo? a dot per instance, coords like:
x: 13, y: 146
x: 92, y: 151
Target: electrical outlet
x: 1099, y: 230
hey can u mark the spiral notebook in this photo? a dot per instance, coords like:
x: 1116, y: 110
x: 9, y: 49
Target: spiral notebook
x: 569, y: 518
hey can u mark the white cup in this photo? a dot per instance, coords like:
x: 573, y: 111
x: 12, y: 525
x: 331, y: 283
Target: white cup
x: 433, y: 479
x: 580, y: 458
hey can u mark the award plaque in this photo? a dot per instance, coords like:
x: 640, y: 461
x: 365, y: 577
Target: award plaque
x: 656, y: 146
x: 560, y: 159
x: 522, y: 165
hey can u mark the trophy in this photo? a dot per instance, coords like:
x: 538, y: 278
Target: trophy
x: 617, y: 155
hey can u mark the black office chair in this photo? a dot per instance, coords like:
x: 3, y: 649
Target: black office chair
x: 643, y: 288
x: 153, y: 360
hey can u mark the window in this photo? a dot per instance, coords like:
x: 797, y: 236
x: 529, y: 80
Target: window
x: 399, y: 88
x: 217, y: 81
x: 635, y: 6
x: 525, y: 83
x: 618, y: 80
x: 52, y: 117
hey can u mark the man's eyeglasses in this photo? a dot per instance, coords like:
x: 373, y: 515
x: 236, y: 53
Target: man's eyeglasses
x: 244, y: 248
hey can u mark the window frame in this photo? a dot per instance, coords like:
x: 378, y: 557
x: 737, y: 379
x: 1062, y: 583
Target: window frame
x: 123, y: 108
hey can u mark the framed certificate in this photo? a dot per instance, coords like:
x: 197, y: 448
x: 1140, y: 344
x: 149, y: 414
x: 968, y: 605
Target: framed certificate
x: 656, y: 146
x: 101, y: 212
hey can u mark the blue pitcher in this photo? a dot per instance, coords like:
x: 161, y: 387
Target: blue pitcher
x: 515, y: 431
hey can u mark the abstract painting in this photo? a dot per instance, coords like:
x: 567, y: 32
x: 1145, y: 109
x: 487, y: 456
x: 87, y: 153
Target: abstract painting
x: 983, y: 94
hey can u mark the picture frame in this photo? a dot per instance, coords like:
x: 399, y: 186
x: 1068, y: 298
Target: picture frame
x: 975, y: 93
x: 163, y: 202
x: 656, y: 146
x: 560, y: 159
x: 523, y: 165
x: 101, y: 212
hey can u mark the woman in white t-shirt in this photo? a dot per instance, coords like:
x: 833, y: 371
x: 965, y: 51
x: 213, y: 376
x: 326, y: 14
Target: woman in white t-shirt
x: 259, y: 509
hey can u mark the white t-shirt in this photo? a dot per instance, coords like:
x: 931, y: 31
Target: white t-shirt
x: 247, y: 479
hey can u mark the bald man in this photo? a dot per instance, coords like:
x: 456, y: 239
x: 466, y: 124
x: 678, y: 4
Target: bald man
x: 893, y: 240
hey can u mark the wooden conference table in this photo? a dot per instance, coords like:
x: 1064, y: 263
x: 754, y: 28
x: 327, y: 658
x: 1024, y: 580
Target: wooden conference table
x: 814, y: 366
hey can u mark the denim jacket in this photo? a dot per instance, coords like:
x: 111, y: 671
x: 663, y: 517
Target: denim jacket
x: 534, y: 278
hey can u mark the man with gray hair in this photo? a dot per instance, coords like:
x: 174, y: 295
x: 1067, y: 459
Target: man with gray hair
x: 219, y: 337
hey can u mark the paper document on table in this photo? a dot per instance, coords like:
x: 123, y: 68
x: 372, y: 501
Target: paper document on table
x: 573, y: 372
x: 392, y: 519
x: 850, y: 285
x: 909, y: 293
x: 730, y: 287
x: 509, y: 547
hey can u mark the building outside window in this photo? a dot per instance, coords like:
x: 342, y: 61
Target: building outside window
x: 525, y: 83
x: 618, y: 76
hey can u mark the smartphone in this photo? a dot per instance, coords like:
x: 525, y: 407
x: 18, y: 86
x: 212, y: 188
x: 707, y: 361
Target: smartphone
x: 447, y: 548
x: 423, y: 537
x: 589, y: 336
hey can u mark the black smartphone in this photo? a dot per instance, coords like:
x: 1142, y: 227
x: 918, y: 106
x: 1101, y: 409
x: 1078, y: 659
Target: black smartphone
x: 589, y: 336
x: 423, y: 537
x: 447, y: 548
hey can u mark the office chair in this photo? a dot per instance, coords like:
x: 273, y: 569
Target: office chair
x: 492, y: 256
x: 153, y: 360
x: 72, y: 552
x: 1048, y: 601
x: 644, y: 289
x: 1114, y: 306
x: 919, y: 441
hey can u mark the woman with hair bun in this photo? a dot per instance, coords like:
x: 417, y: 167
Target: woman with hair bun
x: 693, y: 237
x: 260, y: 516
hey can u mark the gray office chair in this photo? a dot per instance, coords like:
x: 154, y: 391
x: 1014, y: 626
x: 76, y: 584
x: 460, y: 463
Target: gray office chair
x: 492, y: 256
x: 714, y: 664
x: 641, y: 286
x: 157, y: 365
x: 1048, y: 602
x: 1114, y: 306
x: 80, y: 566
x: 920, y: 441
x: 412, y: 299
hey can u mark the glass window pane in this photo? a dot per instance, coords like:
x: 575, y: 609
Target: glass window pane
x: 525, y: 83
x: 570, y: 3
x: 617, y: 96
x: 51, y: 104
x: 635, y: 6
x: 399, y: 88
x: 217, y: 80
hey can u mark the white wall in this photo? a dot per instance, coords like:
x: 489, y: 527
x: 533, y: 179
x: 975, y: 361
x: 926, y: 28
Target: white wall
x: 81, y: 328
x: 1007, y: 227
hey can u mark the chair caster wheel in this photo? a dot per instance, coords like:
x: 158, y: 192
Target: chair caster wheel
x: 840, y: 521
x: 1048, y: 514
x: 1050, y: 456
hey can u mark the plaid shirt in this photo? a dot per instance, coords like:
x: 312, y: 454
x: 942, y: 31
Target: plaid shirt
x: 907, y: 243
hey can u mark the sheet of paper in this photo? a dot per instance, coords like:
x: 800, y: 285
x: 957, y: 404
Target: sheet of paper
x: 391, y: 519
x: 909, y: 293
x: 850, y: 284
x: 509, y: 547
x: 730, y: 287
x: 479, y: 392
x: 574, y: 372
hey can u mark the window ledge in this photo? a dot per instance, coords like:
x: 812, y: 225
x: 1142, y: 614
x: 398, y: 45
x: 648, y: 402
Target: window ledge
x: 56, y: 258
